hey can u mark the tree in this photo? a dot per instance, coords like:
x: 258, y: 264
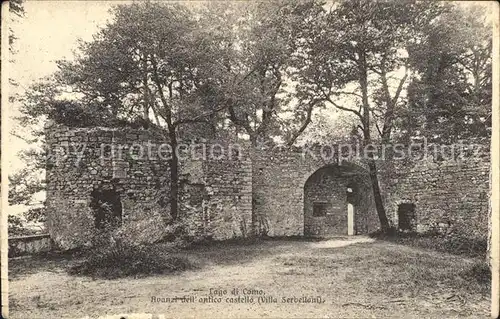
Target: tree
x: 360, y: 45
x: 17, y: 10
x: 450, y: 92
x: 327, y: 127
x: 24, y: 186
x: 223, y: 64
x: 263, y: 42
x: 138, y: 65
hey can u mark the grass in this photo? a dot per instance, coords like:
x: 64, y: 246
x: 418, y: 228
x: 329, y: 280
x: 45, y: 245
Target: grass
x: 357, y: 279
x: 121, y: 259
x: 475, y: 276
x: 470, y: 247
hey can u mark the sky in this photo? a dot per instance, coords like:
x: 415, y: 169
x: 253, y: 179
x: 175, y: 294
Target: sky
x: 48, y: 32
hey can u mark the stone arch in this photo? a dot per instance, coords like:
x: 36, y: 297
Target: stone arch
x: 314, y: 166
x: 325, y: 203
x: 278, y: 186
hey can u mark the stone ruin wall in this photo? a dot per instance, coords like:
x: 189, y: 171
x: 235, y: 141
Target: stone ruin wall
x: 451, y: 196
x: 329, y: 185
x: 212, y: 205
x: 279, y: 177
x: 260, y: 192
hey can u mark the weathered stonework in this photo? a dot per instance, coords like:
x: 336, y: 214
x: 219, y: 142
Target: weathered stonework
x: 450, y: 195
x: 336, y: 187
x: 29, y: 245
x: 279, y: 178
x: 247, y: 191
x: 81, y: 160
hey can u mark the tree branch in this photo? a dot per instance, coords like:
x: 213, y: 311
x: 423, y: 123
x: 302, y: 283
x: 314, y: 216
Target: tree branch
x: 304, y: 125
x: 378, y: 129
x: 347, y: 93
x: 168, y: 111
x: 199, y: 118
x: 327, y: 98
x: 358, y: 114
x: 400, y: 86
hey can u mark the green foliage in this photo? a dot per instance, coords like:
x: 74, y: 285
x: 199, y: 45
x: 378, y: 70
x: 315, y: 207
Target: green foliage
x: 458, y: 245
x: 23, y: 185
x: 15, y: 226
x: 266, y: 66
x: 137, y: 59
x: 112, y: 256
x: 37, y: 214
x: 449, y: 98
x: 75, y: 115
x: 265, y: 50
x: 178, y: 231
x: 16, y: 8
x: 231, y: 62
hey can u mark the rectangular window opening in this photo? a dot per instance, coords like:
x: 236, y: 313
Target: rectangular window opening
x: 319, y: 209
x: 406, y: 217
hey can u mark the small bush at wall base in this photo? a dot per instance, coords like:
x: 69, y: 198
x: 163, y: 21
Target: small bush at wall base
x: 112, y: 258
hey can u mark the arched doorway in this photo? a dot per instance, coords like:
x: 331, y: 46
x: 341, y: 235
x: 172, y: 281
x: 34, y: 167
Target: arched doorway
x: 336, y: 201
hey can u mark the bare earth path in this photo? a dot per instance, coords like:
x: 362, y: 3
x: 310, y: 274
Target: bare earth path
x: 354, y: 277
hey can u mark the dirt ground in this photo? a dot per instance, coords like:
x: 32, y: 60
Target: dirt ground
x: 353, y: 277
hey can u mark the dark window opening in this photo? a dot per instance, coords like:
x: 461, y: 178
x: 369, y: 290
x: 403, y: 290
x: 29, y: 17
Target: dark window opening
x: 193, y: 193
x: 319, y: 209
x: 107, y: 208
x: 406, y: 216
x: 325, y: 179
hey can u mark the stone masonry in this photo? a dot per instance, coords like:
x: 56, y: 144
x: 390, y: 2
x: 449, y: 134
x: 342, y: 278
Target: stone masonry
x: 451, y: 196
x: 243, y: 191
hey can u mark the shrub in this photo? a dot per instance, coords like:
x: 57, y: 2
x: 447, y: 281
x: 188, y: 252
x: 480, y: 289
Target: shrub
x: 75, y: 114
x: 16, y: 226
x: 177, y: 231
x: 112, y: 256
x: 479, y: 272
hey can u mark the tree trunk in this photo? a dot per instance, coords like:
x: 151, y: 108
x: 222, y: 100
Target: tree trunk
x: 363, y: 81
x: 379, y: 204
x: 172, y: 136
x: 174, y: 177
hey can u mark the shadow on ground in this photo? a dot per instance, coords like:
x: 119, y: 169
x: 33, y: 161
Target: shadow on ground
x: 357, y: 276
x: 243, y: 251
x: 456, y: 245
x: 28, y: 265
x: 230, y: 252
